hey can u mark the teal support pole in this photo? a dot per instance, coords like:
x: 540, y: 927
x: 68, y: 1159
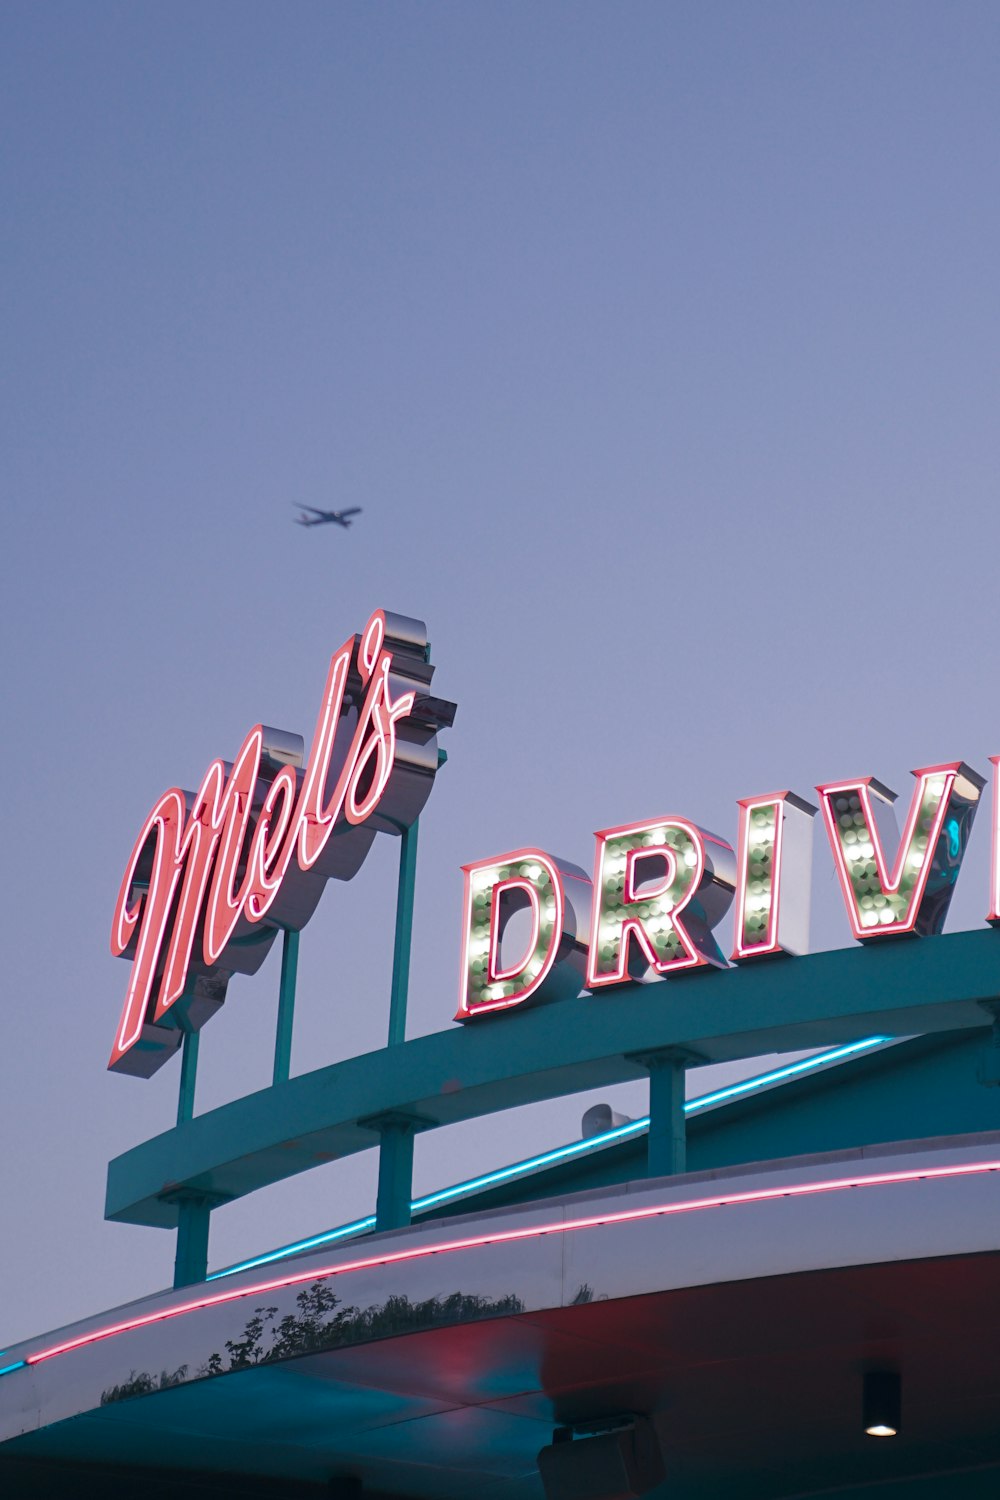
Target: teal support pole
x: 395, y: 1175
x: 189, y: 1074
x: 666, y: 1143
x: 988, y: 1066
x: 191, y: 1258
x: 404, y: 934
x: 666, y: 1146
x: 396, y: 1131
x: 286, y: 1006
x: 395, y: 1165
x: 193, y: 1209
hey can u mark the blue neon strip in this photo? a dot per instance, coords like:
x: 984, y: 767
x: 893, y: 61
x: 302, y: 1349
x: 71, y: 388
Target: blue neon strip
x: 635, y: 1127
x: 358, y: 1226
x: 518, y: 1168
x: 18, y: 1364
x: 806, y: 1065
x: 563, y: 1153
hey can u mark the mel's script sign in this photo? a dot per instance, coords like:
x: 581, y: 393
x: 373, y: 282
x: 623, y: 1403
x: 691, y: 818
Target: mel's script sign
x: 215, y: 874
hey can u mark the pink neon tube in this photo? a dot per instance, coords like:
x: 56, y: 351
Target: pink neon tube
x: 507, y: 1236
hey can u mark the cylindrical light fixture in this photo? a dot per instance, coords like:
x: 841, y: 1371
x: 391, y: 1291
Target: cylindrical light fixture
x: 881, y: 1395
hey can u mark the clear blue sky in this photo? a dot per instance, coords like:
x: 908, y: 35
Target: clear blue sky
x: 659, y: 343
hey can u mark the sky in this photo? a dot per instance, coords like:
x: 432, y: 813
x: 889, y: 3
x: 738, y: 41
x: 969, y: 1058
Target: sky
x: 659, y: 344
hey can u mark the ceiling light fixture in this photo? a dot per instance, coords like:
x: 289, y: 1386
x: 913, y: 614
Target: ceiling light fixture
x: 881, y: 1403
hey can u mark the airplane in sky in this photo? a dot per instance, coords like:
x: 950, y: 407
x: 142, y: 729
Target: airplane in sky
x: 324, y: 517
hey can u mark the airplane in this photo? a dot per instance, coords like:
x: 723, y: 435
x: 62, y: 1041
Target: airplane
x: 323, y: 517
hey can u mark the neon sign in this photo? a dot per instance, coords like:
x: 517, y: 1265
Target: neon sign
x: 552, y: 964
x: 915, y: 896
x: 773, y: 868
x: 661, y: 887
x: 215, y: 874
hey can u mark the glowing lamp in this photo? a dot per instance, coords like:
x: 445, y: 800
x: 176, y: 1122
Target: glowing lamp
x: 881, y: 1403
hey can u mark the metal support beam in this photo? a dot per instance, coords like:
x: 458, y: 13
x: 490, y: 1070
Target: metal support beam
x: 395, y: 1166
x: 191, y: 1257
x: 404, y: 934
x: 286, y: 1006
x: 189, y: 1074
x: 395, y: 1177
x: 666, y: 1143
x: 910, y: 987
x: 988, y: 1067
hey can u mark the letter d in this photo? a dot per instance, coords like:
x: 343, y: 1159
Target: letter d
x: 552, y: 962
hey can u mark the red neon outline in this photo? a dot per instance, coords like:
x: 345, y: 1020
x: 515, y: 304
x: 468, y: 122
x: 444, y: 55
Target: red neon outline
x: 630, y: 925
x: 224, y: 908
x: 167, y: 817
x: 515, y: 883
x: 993, y: 915
x: 314, y: 822
x: 517, y: 857
x: 747, y: 805
x: 382, y: 744
x: 371, y: 643
x: 195, y: 854
x: 635, y: 857
x: 889, y: 886
x: 267, y: 844
x: 508, y: 1236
